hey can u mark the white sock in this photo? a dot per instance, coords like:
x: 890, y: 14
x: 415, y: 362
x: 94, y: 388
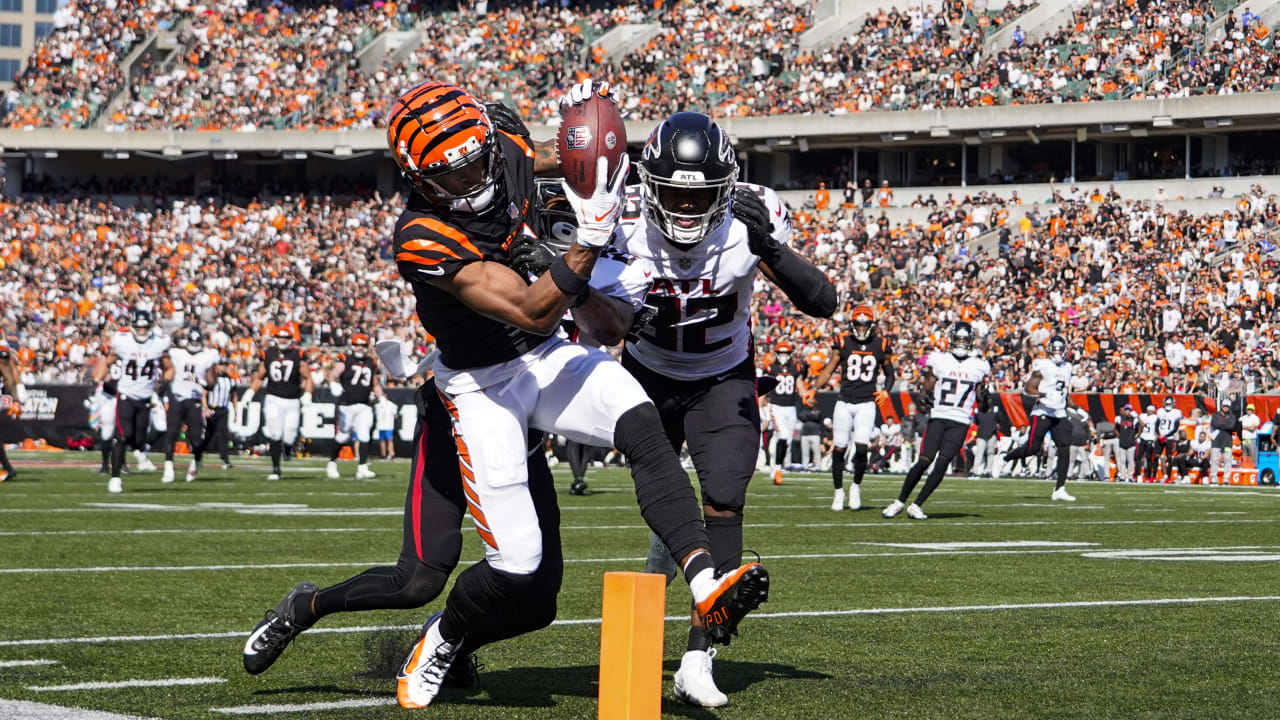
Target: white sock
x: 702, y: 585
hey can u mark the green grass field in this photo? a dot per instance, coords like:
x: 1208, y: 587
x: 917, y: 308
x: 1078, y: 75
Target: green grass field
x: 869, y: 617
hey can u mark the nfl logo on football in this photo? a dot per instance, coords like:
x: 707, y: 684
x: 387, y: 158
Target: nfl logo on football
x: 578, y: 137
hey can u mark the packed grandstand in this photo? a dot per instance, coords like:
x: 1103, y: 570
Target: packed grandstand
x: 1155, y: 294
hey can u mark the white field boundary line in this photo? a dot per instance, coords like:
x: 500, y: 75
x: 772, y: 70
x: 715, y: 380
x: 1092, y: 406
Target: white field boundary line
x: 27, y: 710
x: 26, y: 663
x: 165, y: 682
x: 683, y: 618
x: 275, y: 709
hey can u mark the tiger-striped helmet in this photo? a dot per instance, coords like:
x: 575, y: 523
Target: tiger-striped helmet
x: 864, y: 322
x: 442, y: 140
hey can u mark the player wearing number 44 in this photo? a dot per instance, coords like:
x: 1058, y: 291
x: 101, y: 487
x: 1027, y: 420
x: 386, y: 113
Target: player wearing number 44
x: 954, y: 382
x: 698, y: 238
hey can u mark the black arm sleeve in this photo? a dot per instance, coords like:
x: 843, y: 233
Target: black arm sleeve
x: 804, y: 284
x: 889, y: 376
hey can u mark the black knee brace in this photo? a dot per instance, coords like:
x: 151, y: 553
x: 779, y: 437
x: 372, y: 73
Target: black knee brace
x: 663, y: 488
x: 859, y: 462
x: 481, y: 593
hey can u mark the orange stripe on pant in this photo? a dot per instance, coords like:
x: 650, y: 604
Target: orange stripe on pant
x: 468, y: 479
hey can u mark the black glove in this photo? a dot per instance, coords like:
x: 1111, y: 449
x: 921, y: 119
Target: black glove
x: 924, y: 402
x: 984, y: 397
x: 642, y: 318
x: 529, y: 258
x: 750, y: 210
x: 506, y: 119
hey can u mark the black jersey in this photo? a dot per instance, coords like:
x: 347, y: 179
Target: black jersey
x: 431, y: 243
x: 788, y: 376
x: 860, y: 363
x: 284, y: 372
x: 357, y: 380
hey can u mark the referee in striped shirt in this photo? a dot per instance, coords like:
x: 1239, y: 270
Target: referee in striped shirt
x: 220, y: 396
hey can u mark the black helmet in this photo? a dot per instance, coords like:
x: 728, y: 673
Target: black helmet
x: 688, y: 169
x: 1168, y: 401
x: 961, y: 339
x: 557, y: 224
x: 193, y: 339
x: 1057, y: 348
x: 141, y: 325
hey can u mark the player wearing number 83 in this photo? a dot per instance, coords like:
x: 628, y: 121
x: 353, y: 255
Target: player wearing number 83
x: 953, y: 384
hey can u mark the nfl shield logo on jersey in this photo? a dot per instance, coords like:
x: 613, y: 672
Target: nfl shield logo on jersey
x: 577, y: 137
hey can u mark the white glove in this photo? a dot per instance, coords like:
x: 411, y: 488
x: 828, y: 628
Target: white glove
x: 335, y: 388
x: 584, y: 90
x: 306, y: 399
x: 598, y: 214
x: 20, y: 393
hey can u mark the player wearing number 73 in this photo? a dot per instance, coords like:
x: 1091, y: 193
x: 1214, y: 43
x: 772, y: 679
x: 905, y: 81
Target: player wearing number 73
x: 954, y: 383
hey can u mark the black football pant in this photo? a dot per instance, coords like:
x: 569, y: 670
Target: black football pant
x: 215, y: 435
x: 1184, y: 464
x: 943, y: 439
x: 579, y: 455
x: 188, y: 414
x: 432, y: 540
x: 1060, y: 430
x: 133, y: 421
x: 719, y: 419
x: 1146, y: 460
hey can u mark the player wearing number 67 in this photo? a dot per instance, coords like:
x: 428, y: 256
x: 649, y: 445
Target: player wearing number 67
x: 698, y: 238
x: 288, y: 389
x: 954, y: 383
x: 860, y: 356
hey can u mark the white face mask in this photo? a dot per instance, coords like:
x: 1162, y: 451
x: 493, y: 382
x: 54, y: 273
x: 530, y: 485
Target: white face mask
x: 476, y: 203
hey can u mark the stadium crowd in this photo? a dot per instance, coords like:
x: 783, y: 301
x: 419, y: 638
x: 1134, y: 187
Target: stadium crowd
x: 258, y: 65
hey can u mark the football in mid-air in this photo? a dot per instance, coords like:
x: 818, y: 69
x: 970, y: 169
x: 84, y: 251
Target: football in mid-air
x: 589, y: 131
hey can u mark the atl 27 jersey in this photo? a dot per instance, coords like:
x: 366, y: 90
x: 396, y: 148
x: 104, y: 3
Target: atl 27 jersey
x: 1168, y: 421
x: 860, y: 365
x: 955, y: 390
x: 357, y: 380
x: 1055, y: 385
x: 190, y: 371
x: 702, y: 294
x: 788, y: 383
x: 137, y: 367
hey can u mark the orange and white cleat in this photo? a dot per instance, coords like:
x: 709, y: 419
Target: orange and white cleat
x: 737, y: 593
x: 419, y: 681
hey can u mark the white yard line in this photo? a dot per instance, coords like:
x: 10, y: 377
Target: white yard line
x: 275, y: 709
x: 684, y: 618
x: 26, y: 710
x: 25, y: 663
x: 166, y: 682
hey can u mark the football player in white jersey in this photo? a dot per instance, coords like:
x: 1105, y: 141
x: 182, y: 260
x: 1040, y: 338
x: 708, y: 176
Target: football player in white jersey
x: 1049, y: 384
x: 137, y: 360
x: 955, y: 382
x: 1148, y: 438
x: 699, y: 239
x: 1168, y: 423
x: 191, y: 374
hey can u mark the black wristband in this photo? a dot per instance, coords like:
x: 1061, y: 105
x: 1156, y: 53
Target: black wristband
x: 569, y: 282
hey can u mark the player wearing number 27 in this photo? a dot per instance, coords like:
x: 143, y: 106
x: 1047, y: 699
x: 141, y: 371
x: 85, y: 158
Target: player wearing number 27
x: 954, y: 383
x: 699, y: 238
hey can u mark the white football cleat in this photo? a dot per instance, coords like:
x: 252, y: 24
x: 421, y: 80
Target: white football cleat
x: 331, y: 470
x: 273, y: 476
x: 694, y: 683
x: 894, y: 509
x: 114, y: 485
x: 855, y: 497
x: 423, y: 673
x: 837, y: 503
x: 144, y: 462
x: 915, y: 513
x: 1062, y: 494
x: 192, y: 469
x: 167, y: 477
x: 364, y: 473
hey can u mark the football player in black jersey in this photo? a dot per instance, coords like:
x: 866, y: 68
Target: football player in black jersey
x: 288, y: 390
x: 351, y: 381
x: 859, y: 355
x: 13, y: 394
x: 500, y: 375
x: 790, y: 375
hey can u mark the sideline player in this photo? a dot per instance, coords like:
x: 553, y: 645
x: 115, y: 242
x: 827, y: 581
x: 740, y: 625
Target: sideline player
x: 1168, y: 423
x: 288, y: 390
x: 11, y: 387
x: 192, y: 372
x: 955, y: 379
x: 859, y: 355
x: 351, y: 382
x: 136, y: 361
x: 791, y: 385
x: 1049, y: 384
x: 500, y: 375
x: 699, y: 240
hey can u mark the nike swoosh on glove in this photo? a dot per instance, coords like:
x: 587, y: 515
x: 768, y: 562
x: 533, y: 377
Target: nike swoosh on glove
x: 598, y: 214
x: 748, y: 209
x: 584, y: 91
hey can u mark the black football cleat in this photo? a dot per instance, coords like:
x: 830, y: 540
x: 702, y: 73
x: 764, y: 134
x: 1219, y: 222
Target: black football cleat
x: 579, y: 487
x: 464, y: 673
x: 277, y: 629
x: 737, y: 593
